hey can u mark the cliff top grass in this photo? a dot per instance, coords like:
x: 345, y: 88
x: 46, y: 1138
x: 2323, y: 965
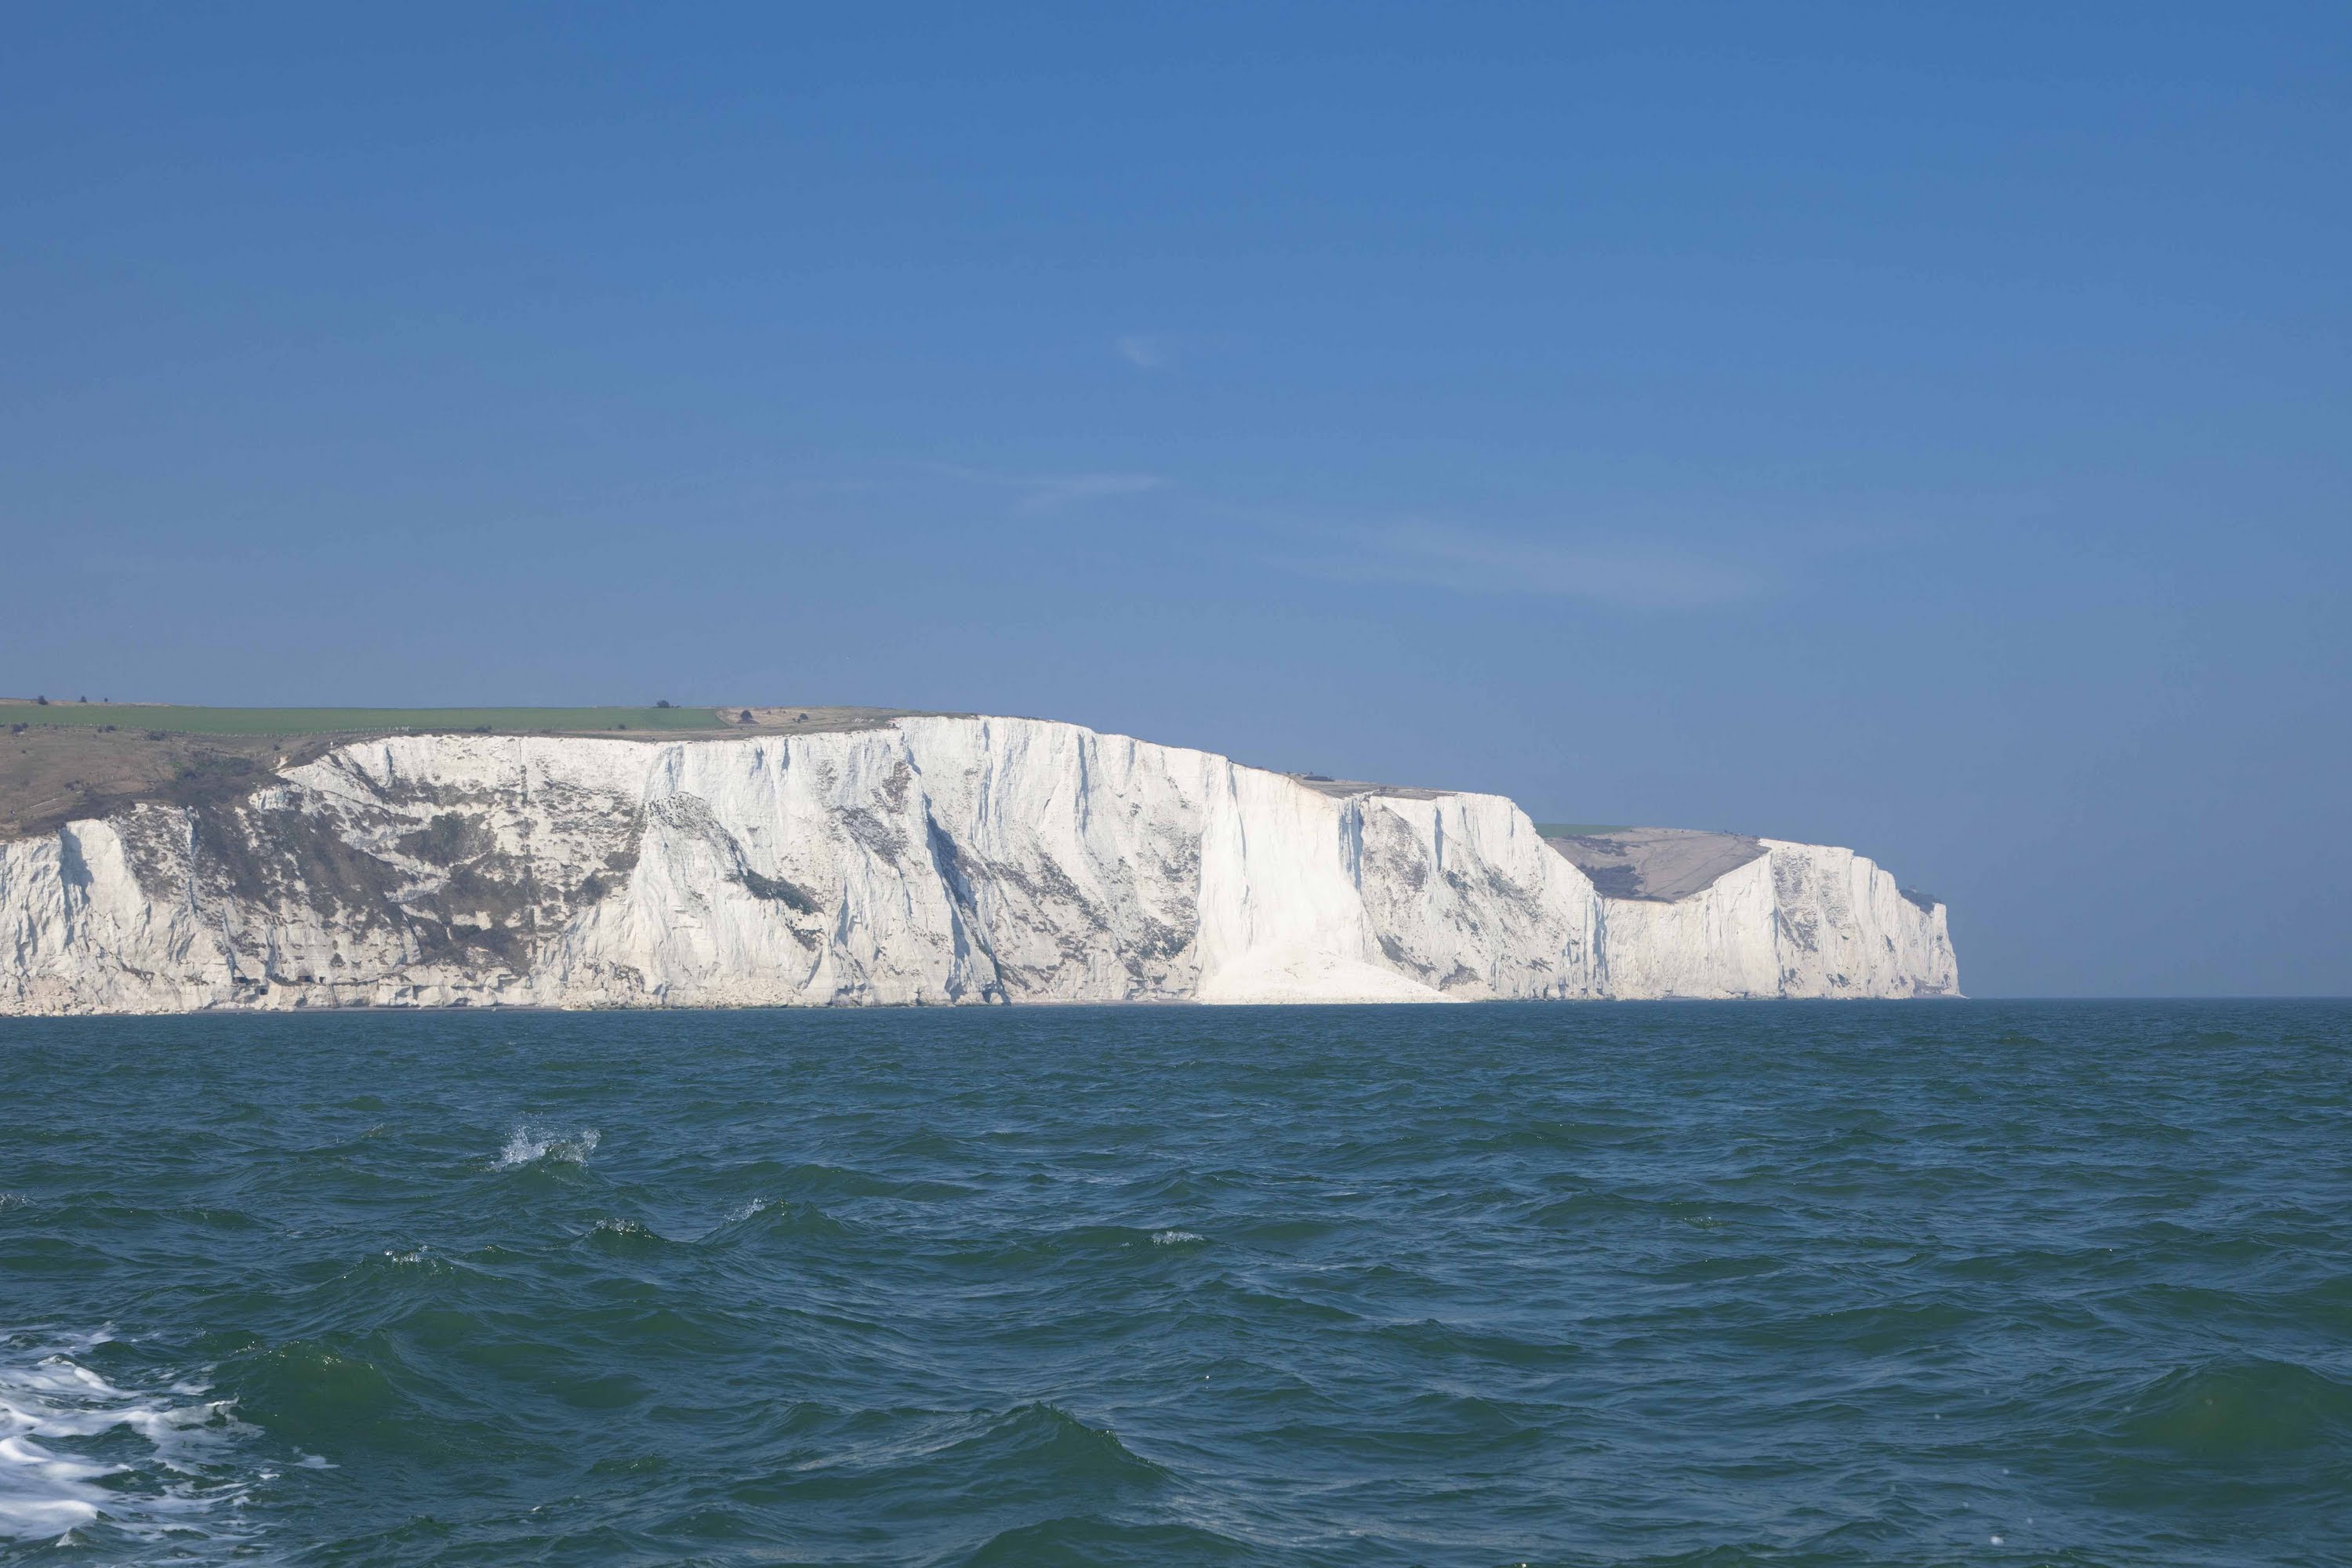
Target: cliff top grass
x: 64, y: 761
x: 173, y: 719
x: 61, y: 762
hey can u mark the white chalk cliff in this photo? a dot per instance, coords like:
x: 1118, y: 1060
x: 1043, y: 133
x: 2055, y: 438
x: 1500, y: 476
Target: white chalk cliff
x: 926, y: 860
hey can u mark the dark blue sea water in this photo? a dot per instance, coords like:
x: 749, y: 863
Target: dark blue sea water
x: 1705, y: 1285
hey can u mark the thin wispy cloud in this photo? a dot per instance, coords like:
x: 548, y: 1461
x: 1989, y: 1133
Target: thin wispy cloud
x: 1035, y: 493
x: 1465, y: 561
x: 1144, y: 350
x: 1050, y: 492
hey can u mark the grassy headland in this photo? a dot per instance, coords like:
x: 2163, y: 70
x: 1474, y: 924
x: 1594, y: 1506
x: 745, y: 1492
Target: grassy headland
x: 62, y: 762
x: 173, y: 719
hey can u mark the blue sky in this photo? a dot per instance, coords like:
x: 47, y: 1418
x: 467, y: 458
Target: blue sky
x: 1922, y: 432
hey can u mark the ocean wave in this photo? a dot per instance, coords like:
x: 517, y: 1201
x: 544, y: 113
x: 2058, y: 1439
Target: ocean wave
x: 1075, y: 1245
x: 618, y: 1234
x: 170, y: 1462
x: 321, y: 1396
x: 774, y: 1217
x: 528, y: 1144
x: 831, y: 1183
x: 1041, y: 1448
x: 2240, y: 1411
x: 1107, y: 1543
x: 1759, y: 1334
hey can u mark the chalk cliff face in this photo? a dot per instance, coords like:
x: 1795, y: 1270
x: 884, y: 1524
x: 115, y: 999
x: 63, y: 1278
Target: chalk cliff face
x: 929, y: 860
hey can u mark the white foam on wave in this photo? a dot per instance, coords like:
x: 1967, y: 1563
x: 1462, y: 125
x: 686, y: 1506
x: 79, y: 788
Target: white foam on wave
x: 1176, y: 1237
x: 737, y: 1216
x: 528, y: 1143
x: 50, y: 1404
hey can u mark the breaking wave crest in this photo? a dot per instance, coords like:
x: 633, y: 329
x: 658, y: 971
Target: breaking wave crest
x: 528, y: 1144
x: 84, y: 1458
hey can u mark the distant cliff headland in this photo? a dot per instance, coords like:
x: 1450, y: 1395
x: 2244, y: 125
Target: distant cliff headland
x: 163, y: 860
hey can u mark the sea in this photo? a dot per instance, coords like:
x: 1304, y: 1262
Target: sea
x: 1693, y: 1284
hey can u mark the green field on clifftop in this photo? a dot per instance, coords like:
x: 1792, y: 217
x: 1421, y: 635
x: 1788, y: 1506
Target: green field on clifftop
x: 180, y: 720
